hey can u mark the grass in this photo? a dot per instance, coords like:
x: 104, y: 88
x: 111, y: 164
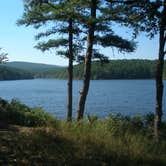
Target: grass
x: 40, y: 139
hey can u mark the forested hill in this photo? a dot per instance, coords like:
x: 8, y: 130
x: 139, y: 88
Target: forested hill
x: 36, y: 69
x: 115, y: 69
x: 9, y: 73
x: 29, y: 65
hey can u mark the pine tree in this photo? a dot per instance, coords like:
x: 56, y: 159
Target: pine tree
x: 159, y: 70
x: 150, y: 17
x: 158, y: 12
x: 98, y: 21
x: 63, y: 17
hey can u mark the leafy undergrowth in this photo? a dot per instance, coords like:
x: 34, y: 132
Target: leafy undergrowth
x: 114, y: 141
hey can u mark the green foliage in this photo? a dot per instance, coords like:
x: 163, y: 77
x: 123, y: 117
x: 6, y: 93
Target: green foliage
x: 9, y: 73
x: 43, y: 46
x: 28, y: 66
x: 117, y: 140
x: 115, y: 69
x: 145, y: 16
x: 119, y: 124
x: 92, y: 118
x: 20, y: 114
x: 37, y: 69
x: 61, y: 19
x: 116, y: 41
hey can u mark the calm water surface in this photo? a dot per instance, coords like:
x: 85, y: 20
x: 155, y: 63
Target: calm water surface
x: 128, y: 97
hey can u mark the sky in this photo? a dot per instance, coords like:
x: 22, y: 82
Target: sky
x: 19, y: 41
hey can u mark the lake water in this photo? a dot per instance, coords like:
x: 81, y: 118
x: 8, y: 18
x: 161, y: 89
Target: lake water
x: 128, y: 97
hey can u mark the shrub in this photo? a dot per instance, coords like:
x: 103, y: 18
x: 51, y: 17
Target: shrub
x: 20, y: 114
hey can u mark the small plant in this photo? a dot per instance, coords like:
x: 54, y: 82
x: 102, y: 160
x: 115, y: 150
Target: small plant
x: 92, y: 118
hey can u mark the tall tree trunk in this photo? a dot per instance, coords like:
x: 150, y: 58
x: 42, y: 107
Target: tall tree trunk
x: 70, y: 72
x: 159, y: 75
x: 87, y: 65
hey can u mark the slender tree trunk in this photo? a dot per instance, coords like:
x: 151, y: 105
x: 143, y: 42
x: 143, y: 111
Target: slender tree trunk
x: 159, y: 76
x: 70, y: 72
x: 87, y: 65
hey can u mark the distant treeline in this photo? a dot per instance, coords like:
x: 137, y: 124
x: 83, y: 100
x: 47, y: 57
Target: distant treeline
x: 37, y: 70
x: 9, y: 73
x: 115, y: 69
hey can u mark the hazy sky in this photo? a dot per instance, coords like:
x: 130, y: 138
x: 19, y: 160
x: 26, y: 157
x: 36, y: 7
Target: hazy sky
x: 19, y: 41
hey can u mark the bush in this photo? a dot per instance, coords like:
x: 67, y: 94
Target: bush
x: 20, y: 114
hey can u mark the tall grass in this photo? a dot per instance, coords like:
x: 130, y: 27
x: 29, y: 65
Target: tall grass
x: 114, y: 141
